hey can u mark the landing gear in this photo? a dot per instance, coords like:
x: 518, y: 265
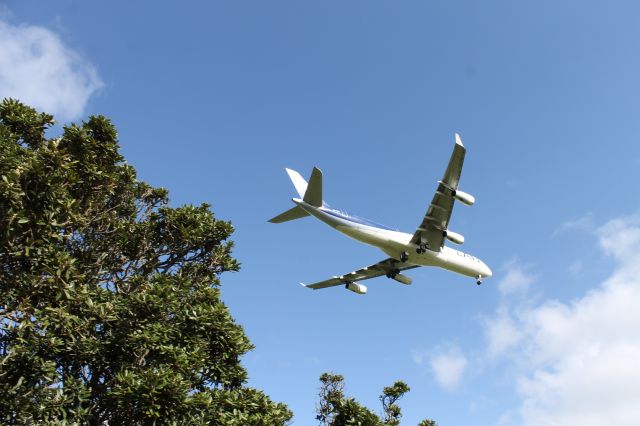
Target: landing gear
x: 479, y: 279
x: 392, y: 273
x: 422, y: 248
x: 404, y: 257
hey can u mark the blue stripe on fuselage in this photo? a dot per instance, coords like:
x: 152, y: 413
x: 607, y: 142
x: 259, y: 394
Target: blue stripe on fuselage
x: 355, y: 219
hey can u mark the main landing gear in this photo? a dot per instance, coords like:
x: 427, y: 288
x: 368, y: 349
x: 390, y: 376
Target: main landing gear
x: 422, y: 248
x: 395, y: 271
x: 392, y: 273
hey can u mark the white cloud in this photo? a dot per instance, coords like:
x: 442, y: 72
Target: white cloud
x: 578, y: 361
x: 447, y: 365
x: 39, y: 70
x: 584, y: 223
x: 502, y: 333
x: 502, y: 329
x: 516, y: 278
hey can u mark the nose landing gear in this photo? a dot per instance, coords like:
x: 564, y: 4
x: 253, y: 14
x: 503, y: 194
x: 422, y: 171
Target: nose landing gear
x: 479, y: 279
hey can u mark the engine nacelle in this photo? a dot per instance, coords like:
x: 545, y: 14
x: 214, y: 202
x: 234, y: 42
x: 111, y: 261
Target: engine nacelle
x: 403, y: 279
x: 464, y: 198
x: 356, y: 288
x: 454, y: 237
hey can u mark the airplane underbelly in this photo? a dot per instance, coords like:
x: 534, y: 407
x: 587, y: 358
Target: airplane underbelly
x: 443, y: 259
x: 396, y: 243
x: 456, y: 261
x: 373, y: 236
x: 460, y: 269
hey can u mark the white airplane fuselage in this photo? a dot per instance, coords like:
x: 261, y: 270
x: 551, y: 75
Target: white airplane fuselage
x: 395, y: 243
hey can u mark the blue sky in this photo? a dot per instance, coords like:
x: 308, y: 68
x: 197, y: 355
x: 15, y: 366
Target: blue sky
x: 214, y: 99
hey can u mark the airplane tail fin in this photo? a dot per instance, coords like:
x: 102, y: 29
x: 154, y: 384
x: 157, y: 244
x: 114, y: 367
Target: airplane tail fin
x: 311, y: 193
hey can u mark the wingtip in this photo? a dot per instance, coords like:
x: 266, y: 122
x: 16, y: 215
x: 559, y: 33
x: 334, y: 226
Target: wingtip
x: 459, y: 140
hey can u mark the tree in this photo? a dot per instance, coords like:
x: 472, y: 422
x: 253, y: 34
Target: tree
x: 110, y: 309
x: 335, y: 409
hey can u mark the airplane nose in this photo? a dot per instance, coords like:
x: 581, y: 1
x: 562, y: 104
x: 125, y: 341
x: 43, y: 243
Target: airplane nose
x: 486, y: 270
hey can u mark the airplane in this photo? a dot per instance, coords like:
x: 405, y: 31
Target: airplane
x: 425, y: 247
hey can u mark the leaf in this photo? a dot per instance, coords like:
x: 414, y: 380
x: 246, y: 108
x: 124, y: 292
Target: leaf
x: 92, y: 293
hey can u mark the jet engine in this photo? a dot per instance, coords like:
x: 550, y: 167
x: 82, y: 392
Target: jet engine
x: 454, y: 237
x: 403, y: 279
x: 356, y: 288
x: 464, y: 198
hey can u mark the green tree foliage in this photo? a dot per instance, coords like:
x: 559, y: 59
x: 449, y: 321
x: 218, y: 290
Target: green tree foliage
x: 110, y: 309
x: 335, y: 409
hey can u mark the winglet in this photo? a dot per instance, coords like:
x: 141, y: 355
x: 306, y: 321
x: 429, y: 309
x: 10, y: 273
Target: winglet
x: 306, y: 286
x: 459, y: 140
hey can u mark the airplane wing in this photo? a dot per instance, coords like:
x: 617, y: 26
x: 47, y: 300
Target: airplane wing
x: 375, y: 270
x: 431, y: 231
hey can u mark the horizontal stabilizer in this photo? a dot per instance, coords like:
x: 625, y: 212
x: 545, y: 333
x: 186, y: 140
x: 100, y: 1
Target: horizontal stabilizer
x: 296, y: 212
